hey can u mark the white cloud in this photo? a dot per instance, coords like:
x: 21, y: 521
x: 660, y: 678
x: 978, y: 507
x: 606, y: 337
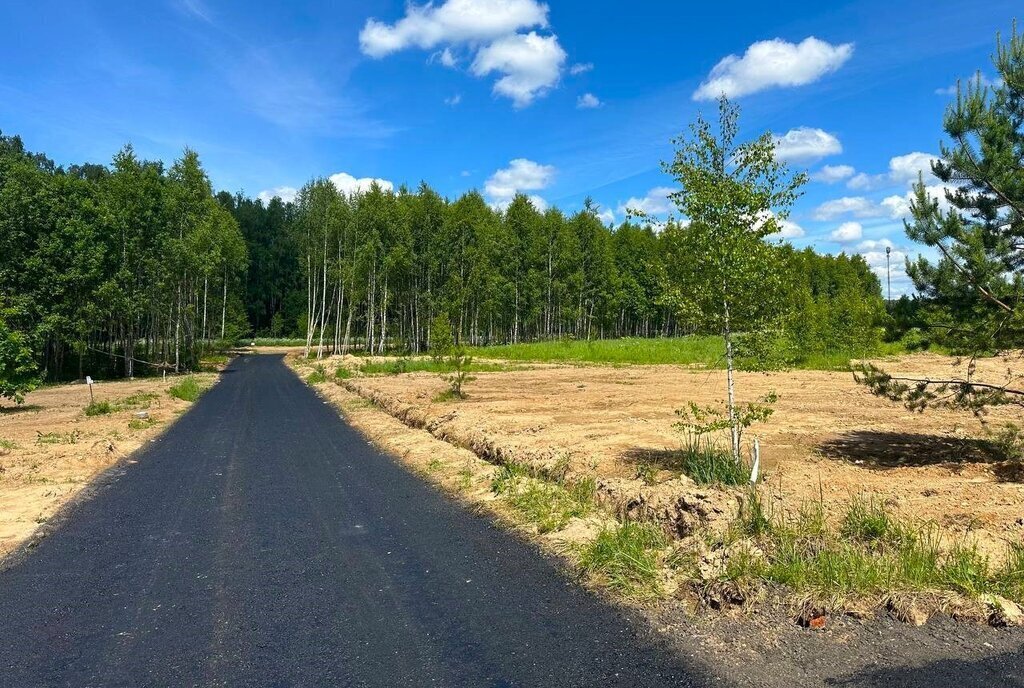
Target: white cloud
x: 806, y: 144
x: 285, y: 193
x: 773, y: 63
x: 581, y: 68
x: 830, y: 174
x: 453, y: 100
x: 531, y: 64
x: 857, y: 206
x: 903, y: 169
x: 347, y: 184
x: 875, y: 245
x: 528, y: 64
x: 520, y: 175
x: 789, y: 230
x: 979, y: 77
x: 656, y: 202
x: 606, y: 216
x: 454, y: 21
x: 847, y: 232
x: 898, y: 207
x: 588, y: 101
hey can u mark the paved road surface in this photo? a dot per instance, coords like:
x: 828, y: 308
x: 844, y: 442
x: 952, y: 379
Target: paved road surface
x: 261, y: 541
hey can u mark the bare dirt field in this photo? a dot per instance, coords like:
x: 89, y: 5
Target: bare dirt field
x: 50, y: 450
x: 829, y: 438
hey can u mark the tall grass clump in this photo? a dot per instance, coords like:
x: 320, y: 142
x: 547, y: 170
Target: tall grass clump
x: 867, y: 553
x: 318, y: 376
x: 99, y: 408
x: 188, y: 389
x: 545, y: 504
x: 708, y: 463
x: 626, y: 558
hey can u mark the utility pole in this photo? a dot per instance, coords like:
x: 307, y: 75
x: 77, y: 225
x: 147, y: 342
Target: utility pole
x: 888, y: 275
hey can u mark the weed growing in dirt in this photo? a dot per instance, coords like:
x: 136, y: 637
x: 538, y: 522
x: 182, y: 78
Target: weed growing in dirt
x: 548, y: 505
x: 626, y: 558
x: 870, y: 553
x: 318, y: 376
x: 7, y: 444
x: 465, y: 479
x: 141, y: 423
x: 342, y: 373
x: 708, y: 463
x: 58, y: 437
x: 188, y: 389
x: 647, y: 472
x: 435, y: 464
x: 99, y: 408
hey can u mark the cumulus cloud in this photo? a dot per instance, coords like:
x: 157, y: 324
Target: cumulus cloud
x: 531, y: 65
x: 773, y: 63
x: 347, y: 184
x: 521, y: 175
x: 788, y: 230
x: 830, y: 174
x: 857, y: 206
x: 655, y: 203
x: 285, y: 193
x: 454, y: 21
x: 588, y: 101
x: 805, y: 144
x: 527, y: 64
x: 847, y: 232
x: 898, y: 207
x: 606, y: 216
x: 875, y: 245
x: 903, y: 169
x: 581, y: 68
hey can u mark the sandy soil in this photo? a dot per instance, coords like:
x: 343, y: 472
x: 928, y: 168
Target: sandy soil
x: 50, y: 450
x: 829, y: 438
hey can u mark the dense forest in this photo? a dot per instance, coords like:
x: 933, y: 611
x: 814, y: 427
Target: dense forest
x: 129, y: 268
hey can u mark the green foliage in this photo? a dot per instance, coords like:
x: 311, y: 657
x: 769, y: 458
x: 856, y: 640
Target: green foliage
x: 318, y: 376
x: 441, y: 340
x: 870, y: 553
x: 971, y: 296
x: 626, y: 557
x: 18, y: 372
x: 460, y: 364
x: 188, y: 389
x: 545, y: 504
x: 99, y: 408
x: 343, y: 373
x: 696, y: 350
x: 58, y: 437
x: 141, y: 423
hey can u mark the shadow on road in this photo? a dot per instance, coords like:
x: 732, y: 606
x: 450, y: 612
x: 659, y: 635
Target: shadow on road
x: 1005, y: 670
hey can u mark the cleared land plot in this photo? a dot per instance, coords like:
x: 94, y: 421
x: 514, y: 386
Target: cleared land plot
x: 50, y: 448
x: 829, y: 439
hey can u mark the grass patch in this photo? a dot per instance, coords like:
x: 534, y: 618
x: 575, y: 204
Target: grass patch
x: 58, y: 437
x: 704, y: 351
x: 141, y: 423
x: 399, y: 366
x: 626, y: 558
x: 707, y: 463
x: 7, y: 444
x: 545, y: 504
x: 188, y: 389
x: 868, y: 553
x: 343, y: 373
x: 318, y: 376
x: 99, y: 408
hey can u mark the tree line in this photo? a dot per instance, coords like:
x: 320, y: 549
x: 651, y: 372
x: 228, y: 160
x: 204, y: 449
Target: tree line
x: 130, y: 268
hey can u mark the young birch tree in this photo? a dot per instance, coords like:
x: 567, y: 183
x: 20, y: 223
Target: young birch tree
x: 734, y: 195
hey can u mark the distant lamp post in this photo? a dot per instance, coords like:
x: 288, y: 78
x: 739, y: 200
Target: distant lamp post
x: 888, y: 275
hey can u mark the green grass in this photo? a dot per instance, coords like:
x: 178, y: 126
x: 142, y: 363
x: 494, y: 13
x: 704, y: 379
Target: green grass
x: 318, y: 376
x: 869, y: 553
x: 188, y: 389
x: 99, y: 408
x: 7, y: 444
x: 343, y: 373
x: 545, y: 504
x: 273, y: 341
x: 57, y: 437
x: 707, y: 463
x: 626, y: 558
x: 704, y: 351
x: 423, y: 365
x: 141, y: 423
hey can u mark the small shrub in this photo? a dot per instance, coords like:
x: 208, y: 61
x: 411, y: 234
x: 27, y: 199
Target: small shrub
x: 318, y: 376
x: 460, y: 365
x: 626, y: 558
x: 647, y: 472
x: 99, y: 408
x: 188, y: 389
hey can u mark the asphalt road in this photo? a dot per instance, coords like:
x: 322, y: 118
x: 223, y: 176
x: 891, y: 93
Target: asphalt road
x: 261, y: 541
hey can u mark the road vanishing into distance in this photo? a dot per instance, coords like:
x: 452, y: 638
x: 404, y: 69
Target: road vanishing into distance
x: 262, y: 541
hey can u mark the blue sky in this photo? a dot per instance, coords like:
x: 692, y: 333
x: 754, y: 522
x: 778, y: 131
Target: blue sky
x: 562, y: 100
